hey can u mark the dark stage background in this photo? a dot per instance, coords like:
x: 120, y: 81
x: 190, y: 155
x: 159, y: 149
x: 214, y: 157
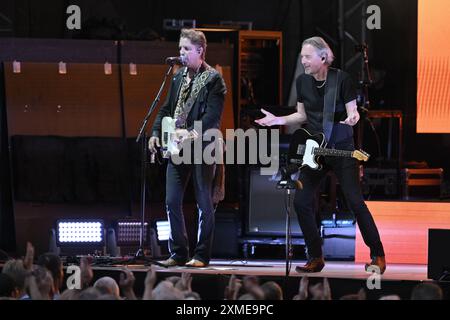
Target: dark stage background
x: 392, y: 53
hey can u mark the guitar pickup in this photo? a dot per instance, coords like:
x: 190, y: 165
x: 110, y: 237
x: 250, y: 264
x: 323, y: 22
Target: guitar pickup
x: 301, y: 149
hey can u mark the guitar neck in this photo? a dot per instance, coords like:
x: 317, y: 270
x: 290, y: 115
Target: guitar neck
x: 332, y: 152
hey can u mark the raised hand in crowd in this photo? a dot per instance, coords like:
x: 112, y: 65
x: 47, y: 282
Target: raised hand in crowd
x: 251, y: 285
x: 321, y: 290
x: 149, y: 282
x: 232, y: 290
x: 184, y: 284
x: 302, y: 289
x: 126, y: 283
x: 87, y: 274
x: 29, y: 257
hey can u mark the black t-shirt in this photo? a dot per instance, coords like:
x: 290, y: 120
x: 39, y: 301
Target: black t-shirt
x: 311, y: 93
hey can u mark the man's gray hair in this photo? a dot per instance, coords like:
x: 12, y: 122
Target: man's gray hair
x: 323, y: 49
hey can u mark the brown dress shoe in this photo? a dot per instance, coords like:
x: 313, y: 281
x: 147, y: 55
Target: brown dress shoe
x: 379, y: 262
x: 313, y: 265
x: 171, y: 262
x: 195, y: 264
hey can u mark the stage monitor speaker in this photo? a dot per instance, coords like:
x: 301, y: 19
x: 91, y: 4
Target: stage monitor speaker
x: 339, y: 243
x: 438, y: 254
x: 266, y: 207
x: 226, y: 235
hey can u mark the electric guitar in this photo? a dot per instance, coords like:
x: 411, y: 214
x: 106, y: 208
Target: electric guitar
x: 171, y: 143
x: 306, y: 149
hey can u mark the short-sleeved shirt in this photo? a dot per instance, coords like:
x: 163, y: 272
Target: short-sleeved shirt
x: 311, y: 93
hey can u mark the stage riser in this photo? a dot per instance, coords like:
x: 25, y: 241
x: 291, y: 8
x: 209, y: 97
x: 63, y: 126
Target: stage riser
x: 403, y: 228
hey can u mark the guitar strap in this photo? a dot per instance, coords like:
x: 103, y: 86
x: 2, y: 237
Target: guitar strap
x: 331, y: 90
x: 182, y: 112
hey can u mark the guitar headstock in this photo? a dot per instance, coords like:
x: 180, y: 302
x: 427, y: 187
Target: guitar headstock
x: 360, y: 155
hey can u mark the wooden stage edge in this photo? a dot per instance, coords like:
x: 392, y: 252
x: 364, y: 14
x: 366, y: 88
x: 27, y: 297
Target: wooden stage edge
x: 277, y: 268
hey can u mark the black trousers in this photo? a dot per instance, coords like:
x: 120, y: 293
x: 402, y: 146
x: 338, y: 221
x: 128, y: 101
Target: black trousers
x: 176, y: 182
x: 347, y: 173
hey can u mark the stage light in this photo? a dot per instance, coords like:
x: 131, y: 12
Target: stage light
x: 133, y: 69
x: 162, y: 230
x: 62, y: 68
x: 128, y: 235
x: 16, y: 66
x: 107, y: 68
x: 77, y: 231
x: 128, y: 232
x: 79, y: 236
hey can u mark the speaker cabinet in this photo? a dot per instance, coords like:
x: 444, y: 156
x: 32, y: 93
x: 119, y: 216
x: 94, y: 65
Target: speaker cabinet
x: 266, y: 207
x: 438, y: 254
x: 339, y: 243
x: 226, y: 235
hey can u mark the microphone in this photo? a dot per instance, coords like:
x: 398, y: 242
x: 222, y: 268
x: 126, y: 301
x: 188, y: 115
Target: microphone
x: 176, y: 60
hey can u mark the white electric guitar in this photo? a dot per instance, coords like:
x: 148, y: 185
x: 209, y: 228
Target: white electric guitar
x: 306, y: 149
x: 171, y: 142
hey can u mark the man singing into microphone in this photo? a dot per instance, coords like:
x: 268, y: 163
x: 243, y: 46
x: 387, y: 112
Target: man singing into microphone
x: 197, y: 93
x: 327, y: 103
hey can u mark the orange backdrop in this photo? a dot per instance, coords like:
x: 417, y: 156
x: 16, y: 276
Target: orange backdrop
x: 433, y: 70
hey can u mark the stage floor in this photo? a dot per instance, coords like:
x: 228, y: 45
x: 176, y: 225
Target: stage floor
x: 277, y: 268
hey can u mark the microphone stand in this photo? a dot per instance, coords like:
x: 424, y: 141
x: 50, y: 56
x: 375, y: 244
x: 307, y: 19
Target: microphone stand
x: 140, y: 254
x: 287, y: 184
x: 364, y: 107
x: 364, y: 103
